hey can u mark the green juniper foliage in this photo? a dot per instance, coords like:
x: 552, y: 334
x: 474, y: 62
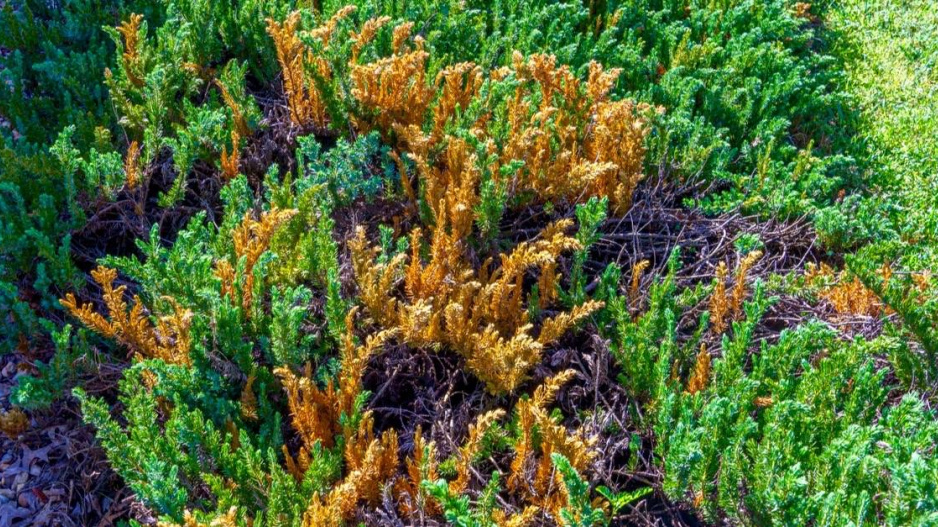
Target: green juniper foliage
x: 581, y: 512
x: 734, y: 78
x: 459, y: 511
x: 173, y: 116
x: 590, y: 217
x: 801, y: 428
x: 212, y: 437
x: 55, y: 377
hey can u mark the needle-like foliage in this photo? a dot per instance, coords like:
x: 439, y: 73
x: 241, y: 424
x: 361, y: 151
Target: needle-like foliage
x: 283, y: 205
x: 167, y: 340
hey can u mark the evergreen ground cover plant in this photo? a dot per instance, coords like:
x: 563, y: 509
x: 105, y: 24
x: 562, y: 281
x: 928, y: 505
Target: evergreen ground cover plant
x: 485, y: 263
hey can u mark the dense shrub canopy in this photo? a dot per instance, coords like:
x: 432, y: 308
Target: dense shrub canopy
x: 488, y: 263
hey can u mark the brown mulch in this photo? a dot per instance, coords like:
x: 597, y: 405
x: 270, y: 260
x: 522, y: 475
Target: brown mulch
x: 54, y: 474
